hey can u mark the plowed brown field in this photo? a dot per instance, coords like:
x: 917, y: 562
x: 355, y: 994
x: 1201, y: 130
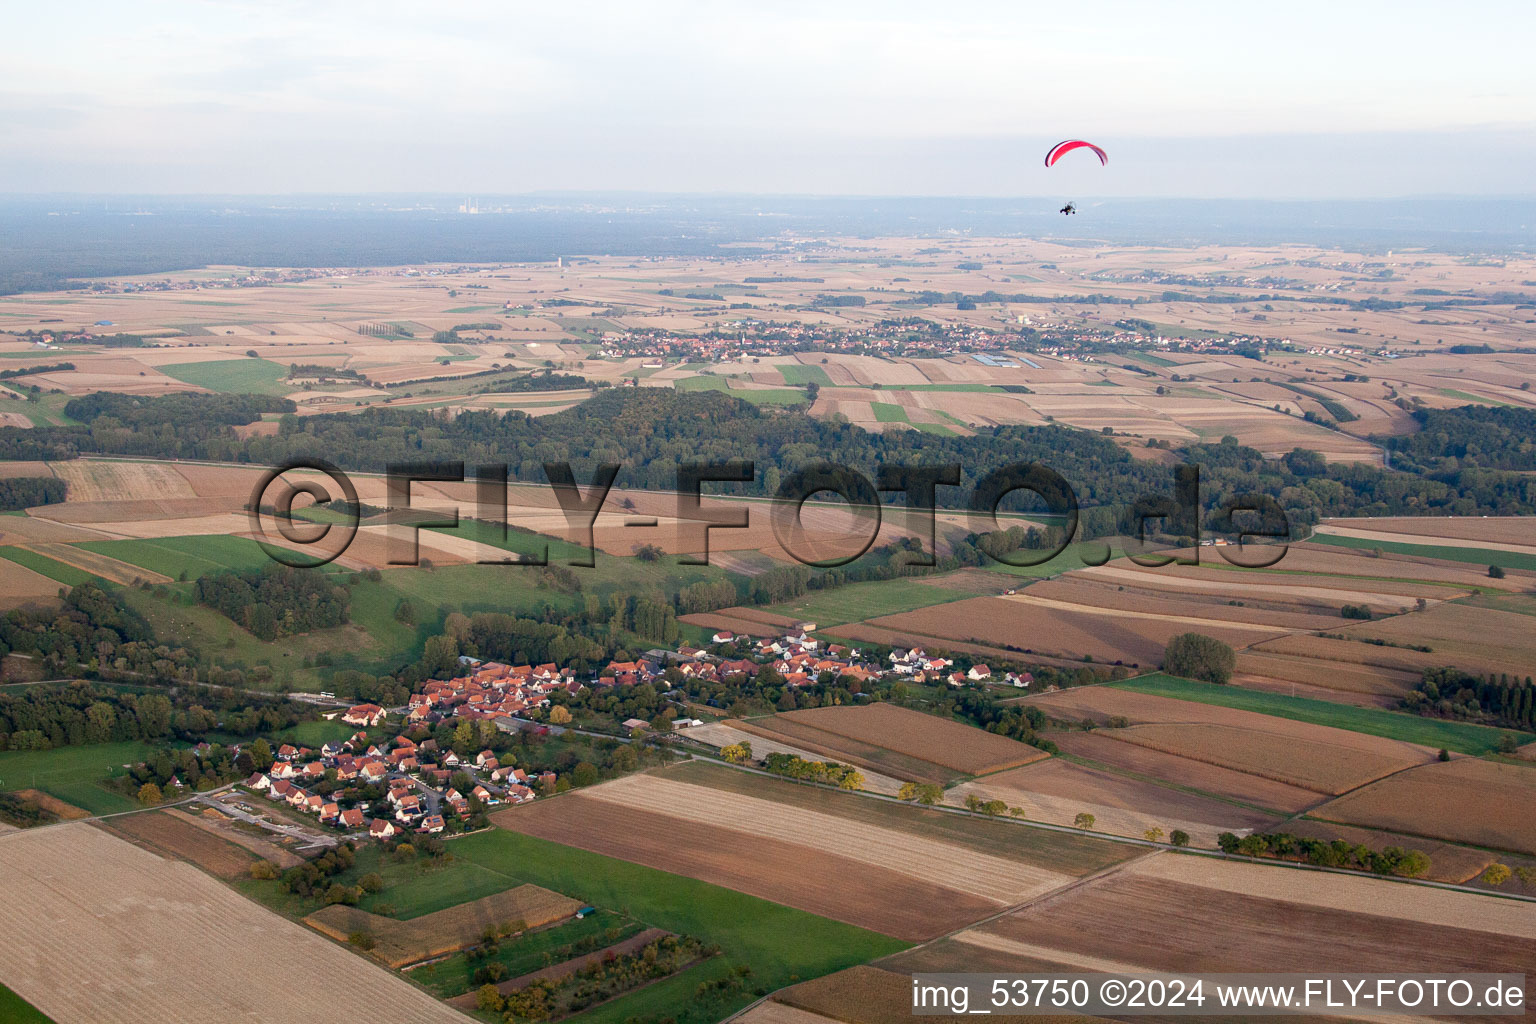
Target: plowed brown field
x: 1317, y: 762
x: 1102, y: 747
x: 796, y: 875
x: 1056, y: 791
x: 940, y: 741
x: 1467, y: 800
x: 164, y: 834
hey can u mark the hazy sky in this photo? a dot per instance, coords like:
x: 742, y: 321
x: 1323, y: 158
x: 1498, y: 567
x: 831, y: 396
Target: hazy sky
x: 1343, y: 98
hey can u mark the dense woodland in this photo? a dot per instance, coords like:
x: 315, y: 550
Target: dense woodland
x: 18, y: 492
x: 1496, y: 700
x: 276, y: 600
x: 1471, y: 437
x: 93, y: 630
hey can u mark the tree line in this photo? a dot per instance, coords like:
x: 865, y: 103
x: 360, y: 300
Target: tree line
x: 651, y: 431
x: 80, y: 713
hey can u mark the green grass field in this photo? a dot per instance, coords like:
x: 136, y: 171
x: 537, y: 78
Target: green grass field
x: 1435, y: 733
x: 1070, y: 558
x: 54, y: 570
x: 233, y: 376
x: 72, y: 773
x: 421, y: 885
x: 859, y: 601
x: 1445, y: 552
x: 886, y: 412
x: 799, y: 375
x: 195, y: 556
x: 316, y: 733
x: 515, y: 541
x: 1465, y: 397
x: 780, y: 944
x: 16, y: 1010
x: 1148, y: 357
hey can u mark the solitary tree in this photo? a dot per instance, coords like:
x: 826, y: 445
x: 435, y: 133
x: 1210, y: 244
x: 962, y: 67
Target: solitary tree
x: 560, y: 715
x: 149, y: 793
x: 1154, y: 835
x: 1496, y: 874
x: 1084, y: 820
x: 1178, y: 837
x: 1197, y: 656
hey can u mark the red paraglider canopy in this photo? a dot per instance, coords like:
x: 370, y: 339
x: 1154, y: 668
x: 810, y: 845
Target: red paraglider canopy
x: 1061, y: 149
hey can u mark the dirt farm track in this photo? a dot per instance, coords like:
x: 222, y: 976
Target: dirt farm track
x: 138, y: 951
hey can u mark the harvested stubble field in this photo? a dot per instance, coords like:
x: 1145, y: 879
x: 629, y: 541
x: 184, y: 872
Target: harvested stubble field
x: 1466, y: 800
x: 1101, y: 748
x: 1471, y: 638
x: 405, y: 942
x: 1184, y: 914
x: 60, y: 921
x: 1061, y: 852
x: 1056, y: 791
x: 975, y: 873
x: 91, y: 480
x: 941, y: 741
x: 170, y: 836
x: 868, y: 994
x: 799, y: 876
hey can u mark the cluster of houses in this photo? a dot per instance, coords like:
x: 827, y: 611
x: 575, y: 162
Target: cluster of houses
x: 797, y: 656
x: 488, y: 690
x: 774, y: 338
x: 416, y: 776
x: 917, y: 665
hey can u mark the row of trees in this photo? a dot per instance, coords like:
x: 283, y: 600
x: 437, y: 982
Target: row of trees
x: 651, y: 431
x: 1336, y: 853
